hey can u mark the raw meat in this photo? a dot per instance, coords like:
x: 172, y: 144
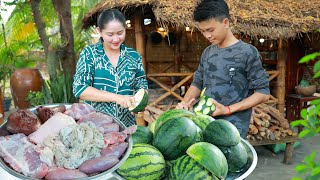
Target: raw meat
x: 50, y: 127
x: 44, y: 113
x: 77, y: 110
x: 20, y: 154
x: 23, y: 121
x: 64, y: 174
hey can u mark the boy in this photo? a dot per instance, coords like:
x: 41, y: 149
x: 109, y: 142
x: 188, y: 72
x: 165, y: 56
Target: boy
x: 229, y: 69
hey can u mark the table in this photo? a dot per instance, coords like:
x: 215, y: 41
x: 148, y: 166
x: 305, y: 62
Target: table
x: 294, y: 104
x: 290, y: 140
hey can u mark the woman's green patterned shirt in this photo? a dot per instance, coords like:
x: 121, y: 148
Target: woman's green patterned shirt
x: 95, y: 69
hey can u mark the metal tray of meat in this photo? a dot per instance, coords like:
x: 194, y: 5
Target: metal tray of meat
x: 6, y: 172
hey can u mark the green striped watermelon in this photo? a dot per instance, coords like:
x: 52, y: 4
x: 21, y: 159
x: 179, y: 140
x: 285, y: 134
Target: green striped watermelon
x: 204, y: 106
x: 237, y: 156
x: 175, y: 136
x: 144, y: 162
x: 173, y: 113
x: 185, y: 168
x: 142, y: 135
x: 202, y: 120
x: 210, y: 157
x: 141, y: 101
x: 221, y: 133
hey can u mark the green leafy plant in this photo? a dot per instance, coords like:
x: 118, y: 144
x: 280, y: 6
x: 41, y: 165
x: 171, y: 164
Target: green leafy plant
x: 310, y: 122
x: 35, y: 98
x: 61, y: 89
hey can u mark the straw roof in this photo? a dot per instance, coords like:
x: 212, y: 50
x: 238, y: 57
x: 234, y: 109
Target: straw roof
x: 264, y: 18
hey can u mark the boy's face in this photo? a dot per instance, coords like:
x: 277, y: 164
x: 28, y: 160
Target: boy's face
x: 214, y: 30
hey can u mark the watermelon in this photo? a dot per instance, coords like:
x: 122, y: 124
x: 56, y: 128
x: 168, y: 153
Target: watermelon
x: 204, y: 106
x: 141, y: 101
x: 221, y: 133
x: 144, y: 162
x: 210, y: 157
x: 151, y: 126
x: 175, y: 136
x: 202, y: 120
x: 187, y: 168
x: 237, y: 157
x: 142, y: 135
x: 173, y: 113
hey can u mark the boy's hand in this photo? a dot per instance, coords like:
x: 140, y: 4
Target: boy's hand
x: 220, y: 109
x: 185, y: 105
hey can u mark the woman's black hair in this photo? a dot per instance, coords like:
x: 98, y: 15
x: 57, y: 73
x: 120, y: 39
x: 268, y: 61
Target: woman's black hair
x: 109, y: 15
x: 211, y: 9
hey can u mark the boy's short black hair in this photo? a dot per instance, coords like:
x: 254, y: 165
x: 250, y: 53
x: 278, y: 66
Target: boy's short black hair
x: 211, y: 9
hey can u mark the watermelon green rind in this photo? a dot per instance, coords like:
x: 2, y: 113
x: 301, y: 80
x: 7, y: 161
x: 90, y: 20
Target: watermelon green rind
x: 202, y: 120
x: 237, y: 156
x: 175, y: 136
x: 187, y: 168
x: 142, y: 135
x: 204, y: 106
x: 221, y: 133
x: 141, y: 102
x: 210, y: 157
x: 173, y: 113
x: 144, y: 162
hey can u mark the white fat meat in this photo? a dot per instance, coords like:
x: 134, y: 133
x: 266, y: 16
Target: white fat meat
x: 50, y: 127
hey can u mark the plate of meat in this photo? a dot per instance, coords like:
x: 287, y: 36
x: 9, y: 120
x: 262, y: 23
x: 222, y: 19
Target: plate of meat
x: 63, y: 141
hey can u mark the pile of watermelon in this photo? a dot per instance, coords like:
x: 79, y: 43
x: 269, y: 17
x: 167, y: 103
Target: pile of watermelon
x: 183, y: 145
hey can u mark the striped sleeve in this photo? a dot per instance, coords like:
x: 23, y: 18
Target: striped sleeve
x: 83, y: 77
x: 140, y: 79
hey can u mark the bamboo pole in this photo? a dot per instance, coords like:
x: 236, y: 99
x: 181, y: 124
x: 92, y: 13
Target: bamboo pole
x: 140, y: 39
x: 281, y: 66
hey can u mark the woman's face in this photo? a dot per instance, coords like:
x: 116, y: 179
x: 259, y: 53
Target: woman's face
x: 113, y: 34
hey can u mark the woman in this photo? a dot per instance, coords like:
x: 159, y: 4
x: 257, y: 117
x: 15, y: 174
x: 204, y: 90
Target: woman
x: 108, y: 73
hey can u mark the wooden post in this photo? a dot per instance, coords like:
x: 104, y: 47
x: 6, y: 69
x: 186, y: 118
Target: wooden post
x: 140, y: 39
x: 281, y: 81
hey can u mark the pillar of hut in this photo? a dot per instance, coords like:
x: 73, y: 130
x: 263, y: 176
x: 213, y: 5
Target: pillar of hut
x: 140, y: 38
x: 281, y: 66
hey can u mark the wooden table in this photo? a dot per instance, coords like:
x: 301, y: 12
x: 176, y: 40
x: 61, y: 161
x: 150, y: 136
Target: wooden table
x: 294, y: 104
x: 290, y: 140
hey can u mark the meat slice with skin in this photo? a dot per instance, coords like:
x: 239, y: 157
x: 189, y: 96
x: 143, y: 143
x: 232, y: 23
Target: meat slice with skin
x: 64, y: 174
x: 50, y: 127
x: 77, y: 110
x: 116, y: 150
x: 112, y: 127
x: 20, y: 154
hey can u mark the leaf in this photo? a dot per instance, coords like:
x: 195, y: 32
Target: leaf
x: 316, y: 67
x: 317, y: 75
x: 296, y: 178
x: 309, y: 159
x: 301, y: 167
x: 297, y: 122
x: 309, y: 57
x: 315, y: 171
x: 304, y: 133
x: 316, y: 101
x: 304, y: 113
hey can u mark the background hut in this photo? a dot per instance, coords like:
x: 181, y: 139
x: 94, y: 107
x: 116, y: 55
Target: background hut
x: 279, y: 20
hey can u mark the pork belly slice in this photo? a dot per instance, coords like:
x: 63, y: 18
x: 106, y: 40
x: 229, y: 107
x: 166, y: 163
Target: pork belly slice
x: 20, y: 154
x: 50, y: 127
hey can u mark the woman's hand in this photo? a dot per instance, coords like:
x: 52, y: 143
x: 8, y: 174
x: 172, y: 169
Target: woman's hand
x: 125, y: 101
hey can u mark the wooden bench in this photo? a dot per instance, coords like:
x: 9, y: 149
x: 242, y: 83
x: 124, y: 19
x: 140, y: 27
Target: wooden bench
x: 290, y: 140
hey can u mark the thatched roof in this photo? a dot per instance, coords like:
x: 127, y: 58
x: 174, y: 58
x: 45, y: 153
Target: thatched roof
x: 266, y: 18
